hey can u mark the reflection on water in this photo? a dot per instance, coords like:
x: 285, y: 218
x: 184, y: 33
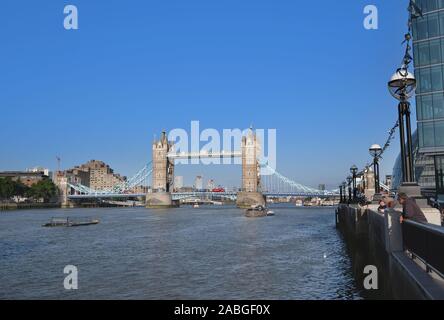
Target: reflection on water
x: 185, y: 253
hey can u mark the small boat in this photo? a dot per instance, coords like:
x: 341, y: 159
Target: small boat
x: 270, y: 213
x: 299, y: 203
x: 256, y: 212
x: 196, y: 206
x: 69, y: 223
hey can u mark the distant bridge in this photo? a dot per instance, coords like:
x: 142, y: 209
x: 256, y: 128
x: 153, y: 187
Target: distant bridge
x: 258, y: 179
x: 274, y: 185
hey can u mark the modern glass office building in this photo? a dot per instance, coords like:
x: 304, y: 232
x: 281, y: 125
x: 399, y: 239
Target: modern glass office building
x: 428, y: 50
x: 424, y: 169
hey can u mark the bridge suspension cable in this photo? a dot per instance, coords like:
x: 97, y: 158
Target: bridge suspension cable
x: 139, y: 179
x: 275, y: 183
x: 272, y: 183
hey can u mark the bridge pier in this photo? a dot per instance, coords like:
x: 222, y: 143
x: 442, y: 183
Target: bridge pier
x: 159, y: 200
x: 163, y: 175
x: 246, y: 200
x: 62, y: 184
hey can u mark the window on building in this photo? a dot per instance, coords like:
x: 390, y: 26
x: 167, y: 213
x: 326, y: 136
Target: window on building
x: 438, y: 101
x: 439, y: 176
x: 418, y: 86
x: 424, y: 80
x: 435, y: 51
x: 422, y: 4
x: 433, y: 25
x: 436, y: 78
x: 420, y: 135
x: 432, y: 5
x: 423, y: 53
x: 439, y: 133
x: 441, y: 21
x: 414, y: 28
x: 427, y: 107
x: 438, y: 105
x: 419, y: 107
x: 421, y: 28
x: 428, y: 131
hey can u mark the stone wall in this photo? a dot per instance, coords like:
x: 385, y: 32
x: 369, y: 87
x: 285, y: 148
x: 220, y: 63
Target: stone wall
x: 375, y: 239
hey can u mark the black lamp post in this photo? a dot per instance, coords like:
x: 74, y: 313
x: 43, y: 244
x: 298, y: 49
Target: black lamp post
x: 402, y: 85
x: 441, y: 180
x: 344, y: 188
x: 340, y: 193
x: 354, y: 170
x: 376, y: 151
x: 349, y: 181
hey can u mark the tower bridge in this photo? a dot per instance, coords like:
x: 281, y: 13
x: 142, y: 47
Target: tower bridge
x: 254, y: 188
x: 163, y: 171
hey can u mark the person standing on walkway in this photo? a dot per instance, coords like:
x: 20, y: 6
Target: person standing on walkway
x: 410, y: 209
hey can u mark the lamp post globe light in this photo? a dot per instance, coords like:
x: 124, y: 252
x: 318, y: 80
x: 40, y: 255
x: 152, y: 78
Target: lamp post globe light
x: 349, y: 181
x: 353, y: 171
x: 402, y: 86
x: 376, y: 151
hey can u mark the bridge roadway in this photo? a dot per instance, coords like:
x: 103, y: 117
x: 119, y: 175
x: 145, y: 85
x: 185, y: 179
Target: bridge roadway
x: 184, y: 195
x: 204, y: 155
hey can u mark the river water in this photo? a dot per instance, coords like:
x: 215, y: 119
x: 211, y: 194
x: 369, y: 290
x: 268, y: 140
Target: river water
x: 185, y: 253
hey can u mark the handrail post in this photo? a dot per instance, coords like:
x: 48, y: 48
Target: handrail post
x: 393, y: 231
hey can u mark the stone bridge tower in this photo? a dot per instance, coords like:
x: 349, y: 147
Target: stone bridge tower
x: 250, y: 194
x: 162, y: 175
x: 369, y: 178
x: 61, y: 182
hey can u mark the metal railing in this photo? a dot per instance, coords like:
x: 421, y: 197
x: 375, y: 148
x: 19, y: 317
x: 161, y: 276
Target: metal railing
x: 426, y: 242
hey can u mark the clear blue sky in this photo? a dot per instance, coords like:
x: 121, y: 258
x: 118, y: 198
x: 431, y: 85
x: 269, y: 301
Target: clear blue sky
x: 307, y: 68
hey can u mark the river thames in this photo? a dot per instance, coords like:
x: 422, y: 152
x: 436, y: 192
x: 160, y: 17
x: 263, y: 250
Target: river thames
x: 185, y: 253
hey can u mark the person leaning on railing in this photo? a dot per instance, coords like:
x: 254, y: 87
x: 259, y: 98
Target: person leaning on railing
x: 389, y: 204
x: 410, y: 209
x: 382, y: 206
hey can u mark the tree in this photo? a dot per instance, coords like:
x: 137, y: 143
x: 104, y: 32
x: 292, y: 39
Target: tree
x: 7, y: 188
x: 20, y: 189
x: 44, y: 189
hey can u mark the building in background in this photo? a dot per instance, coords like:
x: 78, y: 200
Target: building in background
x: 388, y: 181
x: 46, y: 172
x: 424, y: 170
x: 198, y: 183
x: 94, y: 174
x: 178, y: 182
x: 211, y: 185
x: 428, y: 47
x: 28, y: 177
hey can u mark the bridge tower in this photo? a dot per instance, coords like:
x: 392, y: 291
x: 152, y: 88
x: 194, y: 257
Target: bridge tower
x: 369, y: 178
x: 62, y: 184
x: 162, y: 175
x: 250, y: 194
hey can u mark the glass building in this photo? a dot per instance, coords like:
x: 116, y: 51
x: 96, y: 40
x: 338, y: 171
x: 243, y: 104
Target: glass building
x: 428, y: 51
x: 424, y: 169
